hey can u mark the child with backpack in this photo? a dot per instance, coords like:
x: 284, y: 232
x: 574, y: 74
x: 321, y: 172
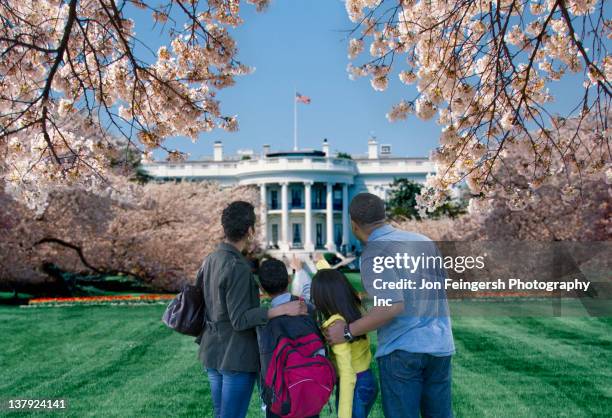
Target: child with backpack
x: 296, y: 378
x: 335, y: 299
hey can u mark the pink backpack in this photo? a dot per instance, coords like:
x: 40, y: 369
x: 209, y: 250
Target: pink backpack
x: 299, y: 380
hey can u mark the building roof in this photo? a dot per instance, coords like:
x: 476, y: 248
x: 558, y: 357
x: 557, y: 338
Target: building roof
x: 303, y: 153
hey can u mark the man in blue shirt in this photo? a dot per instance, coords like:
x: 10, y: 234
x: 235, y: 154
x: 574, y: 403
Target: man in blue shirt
x: 415, y: 341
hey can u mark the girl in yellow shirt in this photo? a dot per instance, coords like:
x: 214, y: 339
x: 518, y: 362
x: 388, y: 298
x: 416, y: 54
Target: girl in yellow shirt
x: 335, y: 299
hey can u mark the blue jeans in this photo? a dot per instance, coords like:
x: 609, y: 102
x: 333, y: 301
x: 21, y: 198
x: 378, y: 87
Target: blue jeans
x: 231, y: 392
x: 364, y: 395
x: 415, y: 383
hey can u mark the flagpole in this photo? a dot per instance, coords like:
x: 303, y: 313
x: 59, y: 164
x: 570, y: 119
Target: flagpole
x: 295, y: 146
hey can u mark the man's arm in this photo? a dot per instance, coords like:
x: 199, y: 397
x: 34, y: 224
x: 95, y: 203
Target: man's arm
x: 374, y: 319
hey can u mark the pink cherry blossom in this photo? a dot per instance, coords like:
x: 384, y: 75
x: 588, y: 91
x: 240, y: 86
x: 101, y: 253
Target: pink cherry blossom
x: 78, y: 103
x: 484, y: 68
x: 125, y: 231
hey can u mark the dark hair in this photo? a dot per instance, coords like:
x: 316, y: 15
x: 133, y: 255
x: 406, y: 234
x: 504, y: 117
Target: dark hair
x: 237, y: 218
x: 273, y: 276
x: 332, y: 294
x: 366, y: 208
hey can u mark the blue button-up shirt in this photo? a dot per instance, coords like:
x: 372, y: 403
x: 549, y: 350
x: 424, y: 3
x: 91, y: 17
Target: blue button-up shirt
x: 424, y: 326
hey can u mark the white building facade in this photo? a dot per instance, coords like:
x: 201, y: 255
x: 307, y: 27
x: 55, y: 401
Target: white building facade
x: 305, y: 195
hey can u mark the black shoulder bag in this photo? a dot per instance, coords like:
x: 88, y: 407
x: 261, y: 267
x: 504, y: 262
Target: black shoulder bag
x: 185, y: 313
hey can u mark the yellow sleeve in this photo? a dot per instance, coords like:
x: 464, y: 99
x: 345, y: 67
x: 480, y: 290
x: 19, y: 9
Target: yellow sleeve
x: 348, y: 378
x: 322, y: 264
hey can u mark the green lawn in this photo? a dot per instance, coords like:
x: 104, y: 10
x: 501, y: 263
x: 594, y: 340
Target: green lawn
x: 121, y: 361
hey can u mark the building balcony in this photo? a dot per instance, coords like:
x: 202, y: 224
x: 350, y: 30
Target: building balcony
x: 249, y: 171
x: 395, y: 165
x: 250, y: 167
x: 284, y: 164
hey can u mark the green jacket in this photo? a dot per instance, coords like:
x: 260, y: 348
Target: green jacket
x: 232, y: 312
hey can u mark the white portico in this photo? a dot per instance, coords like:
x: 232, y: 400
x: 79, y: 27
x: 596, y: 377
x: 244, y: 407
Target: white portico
x: 304, y: 200
x: 304, y: 215
x: 305, y: 195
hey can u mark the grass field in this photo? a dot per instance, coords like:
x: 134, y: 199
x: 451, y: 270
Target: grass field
x: 121, y: 361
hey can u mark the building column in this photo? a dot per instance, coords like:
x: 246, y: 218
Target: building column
x: 264, y: 215
x: 345, y: 216
x: 329, y: 210
x: 308, y: 243
x: 284, y: 244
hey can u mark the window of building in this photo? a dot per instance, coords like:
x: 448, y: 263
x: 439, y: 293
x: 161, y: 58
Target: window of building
x: 319, y: 198
x: 274, y: 234
x: 337, y: 200
x: 274, y: 200
x: 319, y: 234
x: 297, y: 235
x: 338, y: 234
x: 296, y: 197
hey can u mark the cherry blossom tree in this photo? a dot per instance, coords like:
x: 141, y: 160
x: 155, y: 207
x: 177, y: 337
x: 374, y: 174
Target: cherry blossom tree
x: 484, y: 69
x: 553, y: 209
x: 443, y: 229
x: 158, y: 233
x: 78, y: 94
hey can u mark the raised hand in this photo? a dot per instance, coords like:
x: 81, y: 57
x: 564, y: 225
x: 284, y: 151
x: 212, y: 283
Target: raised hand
x: 296, y: 263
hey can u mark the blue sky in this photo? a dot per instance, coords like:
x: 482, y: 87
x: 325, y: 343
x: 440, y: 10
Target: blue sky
x: 301, y: 44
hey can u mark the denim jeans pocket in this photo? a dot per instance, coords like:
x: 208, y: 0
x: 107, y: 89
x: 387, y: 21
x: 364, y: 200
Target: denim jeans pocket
x: 403, y: 365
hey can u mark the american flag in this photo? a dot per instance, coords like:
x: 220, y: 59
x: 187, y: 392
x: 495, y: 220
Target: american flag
x: 302, y: 99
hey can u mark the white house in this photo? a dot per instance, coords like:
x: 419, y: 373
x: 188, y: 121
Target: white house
x: 305, y: 194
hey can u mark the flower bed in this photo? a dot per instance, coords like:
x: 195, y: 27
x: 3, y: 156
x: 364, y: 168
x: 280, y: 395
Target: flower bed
x: 102, y: 300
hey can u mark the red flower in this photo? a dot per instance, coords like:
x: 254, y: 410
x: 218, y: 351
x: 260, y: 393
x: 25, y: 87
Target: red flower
x: 112, y: 298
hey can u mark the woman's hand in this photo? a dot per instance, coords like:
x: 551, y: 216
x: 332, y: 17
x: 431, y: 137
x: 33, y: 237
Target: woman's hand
x: 295, y: 308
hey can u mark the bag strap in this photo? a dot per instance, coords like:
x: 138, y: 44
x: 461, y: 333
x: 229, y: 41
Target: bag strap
x: 200, y: 285
x: 200, y: 276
